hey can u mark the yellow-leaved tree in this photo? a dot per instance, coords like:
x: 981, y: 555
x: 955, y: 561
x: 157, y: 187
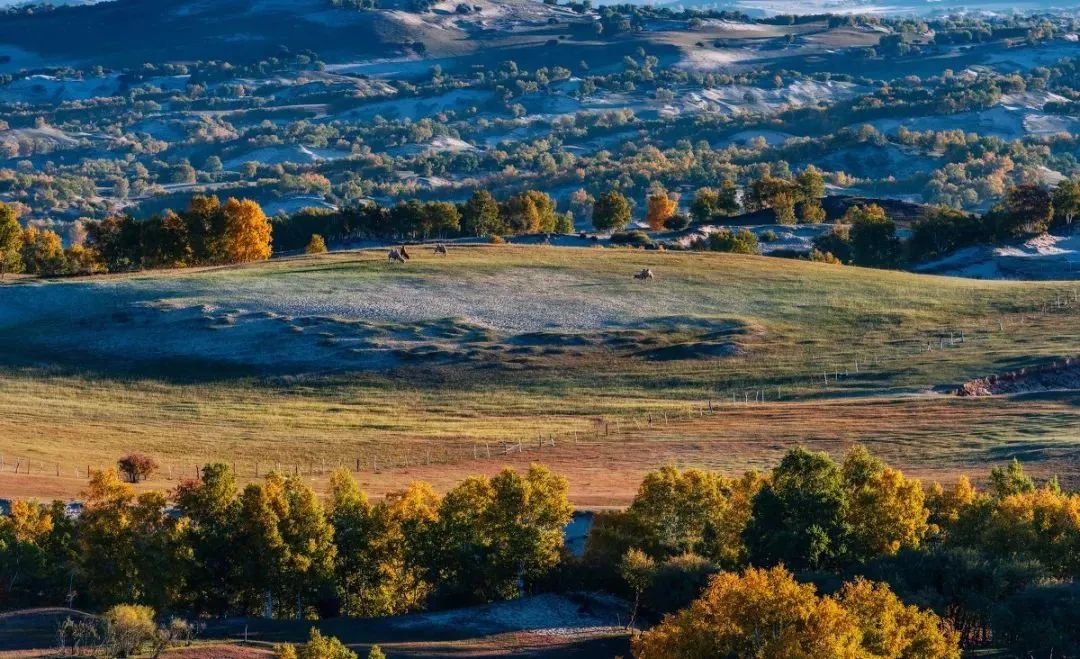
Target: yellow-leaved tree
x: 247, y: 231
x: 767, y: 613
x: 659, y: 208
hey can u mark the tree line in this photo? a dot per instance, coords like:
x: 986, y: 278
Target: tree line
x: 997, y: 566
x: 994, y: 567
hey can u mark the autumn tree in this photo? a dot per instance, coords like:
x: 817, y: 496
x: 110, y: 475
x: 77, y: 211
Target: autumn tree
x: 886, y: 512
x: 128, y: 629
x: 890, y: 628
x: 317, y: 647
x: 137, y: 466
x: 766, y: 613
x: 659, y: 208
x: 761, y: 613
x: 11, y: 239
x: 611, y: 211
x: 637, y: 569
x: 42, y: 252
x: 247, y: 232
x: 317, y: 245
x: 531, y: 211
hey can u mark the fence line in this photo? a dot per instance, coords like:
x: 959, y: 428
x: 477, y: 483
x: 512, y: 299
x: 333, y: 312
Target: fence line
x: 441, y: 452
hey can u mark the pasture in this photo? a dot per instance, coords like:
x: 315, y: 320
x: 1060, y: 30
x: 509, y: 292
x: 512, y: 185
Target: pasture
x: 438, y: 367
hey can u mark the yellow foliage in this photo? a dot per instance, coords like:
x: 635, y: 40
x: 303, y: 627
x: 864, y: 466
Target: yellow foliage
x: 766, y: 613
x: 760, y: 614
x: 30, y: 522
x: 659, y: 208
x: 892, y: 629
x: 247, y: 231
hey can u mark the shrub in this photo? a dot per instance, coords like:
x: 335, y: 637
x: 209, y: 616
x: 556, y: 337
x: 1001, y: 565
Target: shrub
x: 742, y: 242
x: 496, y: 239
x: 677, y: 222
x: 317, y: 245
x: 318, y: 647
x: 632, y: 238
x: 128, y: 628
x: 767, y: 236
x: 819, y: 256
x: 137, y: 466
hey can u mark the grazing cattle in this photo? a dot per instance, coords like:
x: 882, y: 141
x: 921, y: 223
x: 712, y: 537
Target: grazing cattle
x: 404, y: 254
x: 440, y: 249
x: 394, y: 255
x: 645, y: 274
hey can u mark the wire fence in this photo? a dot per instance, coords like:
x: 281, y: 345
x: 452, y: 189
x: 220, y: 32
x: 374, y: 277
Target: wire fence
x: 410, y: 454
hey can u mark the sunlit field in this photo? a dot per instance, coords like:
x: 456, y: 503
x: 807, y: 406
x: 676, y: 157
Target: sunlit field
x: 440, y: 366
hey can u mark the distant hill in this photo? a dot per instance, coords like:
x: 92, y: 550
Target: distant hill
x: 249, y: 30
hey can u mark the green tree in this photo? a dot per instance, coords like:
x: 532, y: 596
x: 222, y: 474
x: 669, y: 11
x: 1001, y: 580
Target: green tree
x: 799, y: 516
x: 1066, y: 200
x: 1010, y: 480
x: 212, y: 512
x: 351, y: 516
x: 712, y: 203
x: 611, y: 212
x: 1026, y: 209
x: 873, y: 237
x: 480, y: 215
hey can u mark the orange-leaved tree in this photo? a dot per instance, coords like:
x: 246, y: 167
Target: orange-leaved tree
x: 247, y: 231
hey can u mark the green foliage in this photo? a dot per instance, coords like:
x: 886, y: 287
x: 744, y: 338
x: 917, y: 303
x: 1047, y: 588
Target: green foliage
x: 611, y: 211
x: 743, y: 241
x: 709, y: 204
x: 480, y: 216
x: 873, y: 237
x: 836, y: 242
x: 1026, y: 209
x: 799, y: 515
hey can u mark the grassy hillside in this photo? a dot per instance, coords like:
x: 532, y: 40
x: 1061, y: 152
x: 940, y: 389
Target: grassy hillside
x: 319, y: 360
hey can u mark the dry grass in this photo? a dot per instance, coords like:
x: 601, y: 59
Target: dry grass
x: 74, y: 393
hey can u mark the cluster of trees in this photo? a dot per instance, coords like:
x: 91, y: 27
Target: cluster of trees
x: 39, y: 251
x: 528, y: 212
x: 995, y: 565
x: 207, y: 232
x: 992, y: 567
x: 789, y: 197
x: 272, y: 548
x: 867, y: 236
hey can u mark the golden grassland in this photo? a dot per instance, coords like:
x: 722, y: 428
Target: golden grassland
x: 839, y: 355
